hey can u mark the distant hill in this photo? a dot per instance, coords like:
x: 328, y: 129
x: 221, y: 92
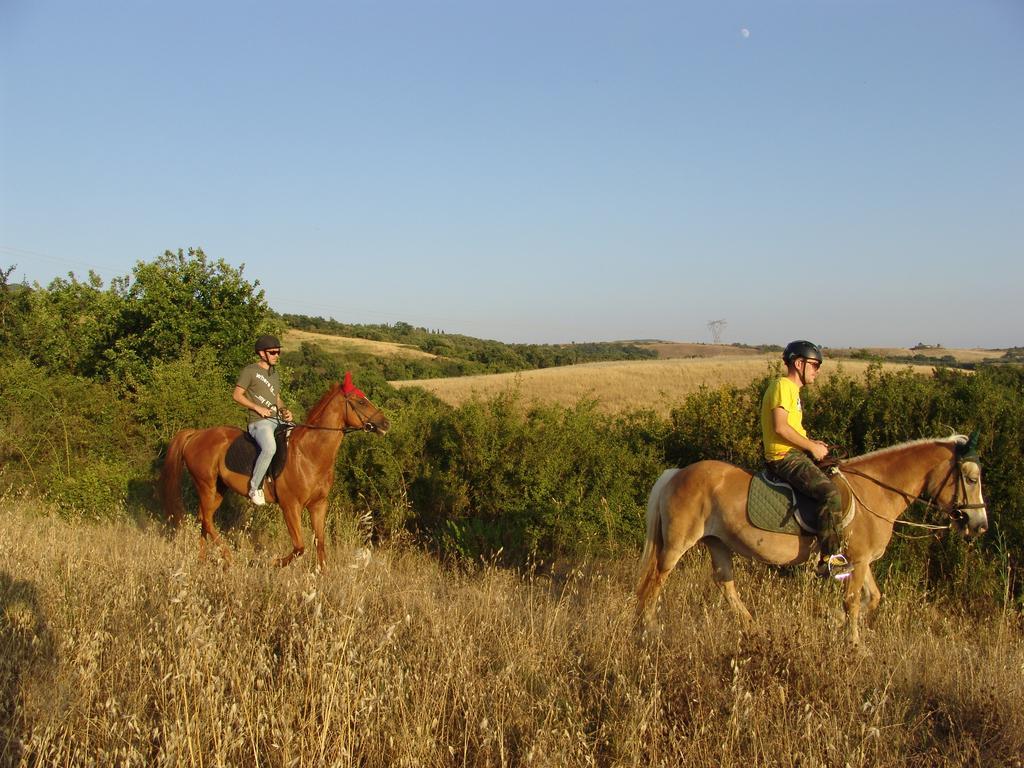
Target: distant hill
x: 625, y: 385
x: 935, y: 355
x: 919, y: 355
x: 671, y: 350
x: 618, y: 374
x: 447, y: 354
x: 348, y: 345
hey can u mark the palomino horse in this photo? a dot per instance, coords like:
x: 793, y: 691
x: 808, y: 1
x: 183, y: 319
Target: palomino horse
x: 304, y: 482
x: 706, y: 502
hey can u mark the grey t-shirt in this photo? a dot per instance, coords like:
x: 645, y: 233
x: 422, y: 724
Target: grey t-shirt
x: 260, y: 386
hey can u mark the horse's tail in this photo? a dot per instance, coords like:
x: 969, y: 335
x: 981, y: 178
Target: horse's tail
x: 170, y: 476
x: 647, y: 582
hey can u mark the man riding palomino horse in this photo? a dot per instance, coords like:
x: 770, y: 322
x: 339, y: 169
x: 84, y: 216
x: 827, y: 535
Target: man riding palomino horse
x: 258, y: 389
x: 708, y: 502
x: 791, y: 455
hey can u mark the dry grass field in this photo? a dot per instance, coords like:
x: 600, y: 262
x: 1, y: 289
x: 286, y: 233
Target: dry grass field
x: 120, y: 648
x: 292, y: 338
x: 620, y: 386
x: 673, y: 349
x: 680, y: 369
x: 958, y: 354
x: 667, y: 350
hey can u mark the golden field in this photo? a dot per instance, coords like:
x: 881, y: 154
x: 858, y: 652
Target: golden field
x: 681, y: 368
x: 292, y: 338
x: 120, y: 648
x: 672, y: 349
x: 621, y: 386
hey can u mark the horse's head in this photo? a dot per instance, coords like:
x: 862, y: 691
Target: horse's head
x: 960, y: 492
x: 360, y: 413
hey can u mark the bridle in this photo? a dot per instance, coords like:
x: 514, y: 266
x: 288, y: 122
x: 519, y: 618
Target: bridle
x: 954, y: 509
x: 367, y: 424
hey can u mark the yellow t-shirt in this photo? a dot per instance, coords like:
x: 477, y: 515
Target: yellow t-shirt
x: 780, y: 393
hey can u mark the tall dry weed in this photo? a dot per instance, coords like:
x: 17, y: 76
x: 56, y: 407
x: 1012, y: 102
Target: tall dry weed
x: 117, y: 647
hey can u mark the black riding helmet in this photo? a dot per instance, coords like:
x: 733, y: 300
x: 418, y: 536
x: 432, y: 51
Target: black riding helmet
x: 801, y: 349
x: 267, y: 342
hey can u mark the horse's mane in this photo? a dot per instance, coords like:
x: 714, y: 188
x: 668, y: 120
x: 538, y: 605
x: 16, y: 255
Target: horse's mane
x: 317, y: 410
x: 953, y: 440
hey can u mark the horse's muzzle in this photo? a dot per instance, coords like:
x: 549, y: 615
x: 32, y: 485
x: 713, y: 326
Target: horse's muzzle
x: 380, y: 427
x: 973, y: 522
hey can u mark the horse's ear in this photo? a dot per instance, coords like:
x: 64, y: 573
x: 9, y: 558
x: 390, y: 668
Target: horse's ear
x: 347, y: 385
x: 969, y: 450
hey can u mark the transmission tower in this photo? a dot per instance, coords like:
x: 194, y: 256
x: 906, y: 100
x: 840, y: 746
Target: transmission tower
x: 717, y: 327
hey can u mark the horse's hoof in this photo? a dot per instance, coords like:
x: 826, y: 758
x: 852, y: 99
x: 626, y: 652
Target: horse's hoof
x: 860, y: 650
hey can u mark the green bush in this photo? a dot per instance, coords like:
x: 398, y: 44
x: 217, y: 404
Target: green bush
x: 717, y: 424
x: 67, y: 438
x: 187, y: 392
x: 94, y: 490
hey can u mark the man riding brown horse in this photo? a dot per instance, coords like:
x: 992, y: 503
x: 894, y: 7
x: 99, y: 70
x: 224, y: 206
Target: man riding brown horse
x: 258, y: 389
x: 304, y: 481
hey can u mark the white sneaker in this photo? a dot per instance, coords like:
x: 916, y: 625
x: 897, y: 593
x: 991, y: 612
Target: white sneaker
x: 257, y: 498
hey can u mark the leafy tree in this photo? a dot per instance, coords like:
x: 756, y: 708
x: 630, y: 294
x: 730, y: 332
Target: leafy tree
x: 13, y: 308
x: 67, y: 326
x: 180, y: 302
x: 185, y: 301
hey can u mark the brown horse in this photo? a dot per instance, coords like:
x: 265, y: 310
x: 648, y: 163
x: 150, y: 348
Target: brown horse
x: 304, y: 482
x: 706, y: 502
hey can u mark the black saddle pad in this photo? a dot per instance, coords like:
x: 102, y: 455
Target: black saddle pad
x: 242, y: 452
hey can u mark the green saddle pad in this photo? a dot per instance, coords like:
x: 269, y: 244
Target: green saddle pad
x: 772, y: 506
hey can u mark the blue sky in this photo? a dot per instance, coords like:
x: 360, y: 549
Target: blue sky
x: 846, y: 171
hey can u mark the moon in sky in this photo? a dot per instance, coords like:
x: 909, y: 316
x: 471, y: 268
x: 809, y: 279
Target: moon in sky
x: 744, y: 32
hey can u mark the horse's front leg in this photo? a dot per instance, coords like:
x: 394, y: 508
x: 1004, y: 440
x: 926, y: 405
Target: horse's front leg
x: 852, y: 599
x: 293, y: 519
x: 872, y: 594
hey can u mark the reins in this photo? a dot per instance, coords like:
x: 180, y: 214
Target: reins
x: 343, y: 430
x: 954, y: 510
x: 368, y: 426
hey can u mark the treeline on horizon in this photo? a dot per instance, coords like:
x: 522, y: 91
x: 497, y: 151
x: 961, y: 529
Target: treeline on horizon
x: 1012, y: 355
x: 97, y: 380
x: 460, y: 355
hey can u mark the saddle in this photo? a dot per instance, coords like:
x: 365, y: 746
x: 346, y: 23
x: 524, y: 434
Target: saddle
x: 773, y: 505
x: 242, y: 453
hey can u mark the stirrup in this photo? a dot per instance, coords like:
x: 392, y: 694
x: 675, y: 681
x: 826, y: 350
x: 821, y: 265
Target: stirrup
x: 839, y: 567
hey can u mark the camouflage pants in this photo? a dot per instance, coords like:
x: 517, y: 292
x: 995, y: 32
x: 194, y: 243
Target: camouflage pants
x: 797, y: 469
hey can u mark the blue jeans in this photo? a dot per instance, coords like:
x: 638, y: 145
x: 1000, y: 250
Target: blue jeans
x: 263, y: 433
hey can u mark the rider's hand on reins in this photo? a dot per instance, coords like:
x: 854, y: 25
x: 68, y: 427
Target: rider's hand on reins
x: 838, y: 452
x: 836, y: 455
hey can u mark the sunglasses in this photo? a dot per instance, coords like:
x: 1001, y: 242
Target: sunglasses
x: 272, y: 351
